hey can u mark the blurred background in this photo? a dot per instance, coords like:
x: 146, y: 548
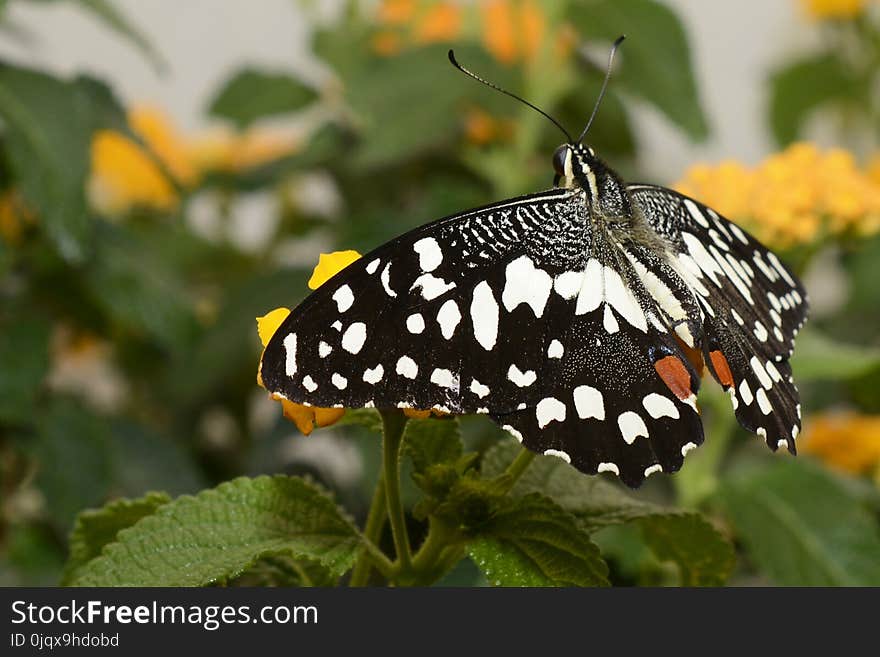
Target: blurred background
x: 170, y: 171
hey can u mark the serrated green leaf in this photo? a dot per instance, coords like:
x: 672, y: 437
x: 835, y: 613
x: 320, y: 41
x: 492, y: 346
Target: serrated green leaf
x: 534, y: 542
x: 220, y: 533
x: 252, y: 94
x: 704, y: 557
x: 655, y: 60
x: 95, y: 528
x: 800, y: 88
x: 283, y: 570
x: 818, y: 357
x: 802, y: 527
x: 367, y: 418
x: 24, y: 362
x: 431, y: 441
x: 49, y: 125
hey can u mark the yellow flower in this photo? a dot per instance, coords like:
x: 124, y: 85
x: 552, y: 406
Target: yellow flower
x: 846, y: 441
x: 124, y: 176
x: 395, y: 12
x: 222, y: 150
x: 792, y: 197
x: 833, y: 9
x: 306, y: 418
x: 330, y: 264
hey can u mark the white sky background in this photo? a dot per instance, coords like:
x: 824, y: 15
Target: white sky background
x: 734, y: 46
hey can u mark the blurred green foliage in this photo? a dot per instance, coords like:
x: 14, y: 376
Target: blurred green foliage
x: 128, y: 351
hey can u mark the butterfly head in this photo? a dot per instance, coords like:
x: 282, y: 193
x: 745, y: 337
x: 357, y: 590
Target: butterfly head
x: 578, y: 167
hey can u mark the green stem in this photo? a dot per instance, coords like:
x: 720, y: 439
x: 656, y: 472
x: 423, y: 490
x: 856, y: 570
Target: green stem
x: 393, y: 424
x: 360, y: 576
x: 517, y: 467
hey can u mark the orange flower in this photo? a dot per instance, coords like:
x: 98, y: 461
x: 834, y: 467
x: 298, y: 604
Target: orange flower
x: 395, y: 12
x: 499, y: 31
x: 846, y: 441
x: 13, y: 217
x: 441, y: 22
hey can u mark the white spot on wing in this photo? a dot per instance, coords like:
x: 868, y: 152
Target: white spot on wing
x: 522, y: 379
x: 687, y: 447
x: 513, y: 432
x: 354, y: 337
x: 309, y: 383
x: 339, y: 381
x: 760, y: 372
x: 386, y: 280
x: 431, y: 286
x: 415, y: 323
x: 694, y: 211
x: 407, y: 367
x: 609, y: 322
x: 374, y: 375
x: 343, y: 298
x: 568, y: 284
x: 448, y: 318
x: 373, y: 266
x: 659, y: 406
x: 324, y: 349
x: 745, y: 392
x: 763, y: 402
x: 591, y: 292
x: 652, y: 469
x: 484, y: 315
x: 430, y: 254
x: 290, y: 354
x: 548, y: 410
x: 524, y: 283
x: 558, y: 454
x: 588, y: 402
x: 479, y: 389
x: 631, y: 426
x: 608, y: 467
x: 444, y: 378
x: 555, y: 350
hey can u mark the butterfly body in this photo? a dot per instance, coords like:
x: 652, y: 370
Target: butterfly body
x: 578, y: 318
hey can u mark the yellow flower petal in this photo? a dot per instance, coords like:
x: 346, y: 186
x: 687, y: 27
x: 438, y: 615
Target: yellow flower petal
x: 269, y: 323
x: 330, y: 264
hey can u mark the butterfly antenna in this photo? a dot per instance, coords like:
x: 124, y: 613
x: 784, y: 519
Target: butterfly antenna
x: 504, y: 91
x: 614, y: 47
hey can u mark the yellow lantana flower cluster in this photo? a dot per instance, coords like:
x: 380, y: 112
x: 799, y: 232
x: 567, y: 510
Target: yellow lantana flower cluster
x: 793, y: 197
x: 846, y: 441
x: 126, y: 175
x: 833, y: 9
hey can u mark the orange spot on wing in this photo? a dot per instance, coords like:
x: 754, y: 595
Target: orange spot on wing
x: 675, y: 375
x: 722, y: 368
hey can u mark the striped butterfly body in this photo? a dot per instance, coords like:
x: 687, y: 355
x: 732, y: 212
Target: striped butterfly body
x: 578, y: 318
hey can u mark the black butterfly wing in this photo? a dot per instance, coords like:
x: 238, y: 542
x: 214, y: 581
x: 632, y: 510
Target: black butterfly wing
x: 523, y: 310
x: 456, y: 315
x: 753, y: 307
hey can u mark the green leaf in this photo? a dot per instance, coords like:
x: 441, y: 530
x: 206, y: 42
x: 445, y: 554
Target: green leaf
x: 432, y: 441
x: 48, y: 130
x: 253, y: 94
x: 818, y: 357
x: 368, y: 418
x: 704, y: 557
x: 139, y: 288
x: 114, y: 19
x: 220, y: 533
x: 800, y: 88
x: 534, y: 542
x: 95, y: 528
x: 24, y: 362
x: 655, y: 60
x: 75, y: 463
x: 410, y: 105
x: 802, y: 527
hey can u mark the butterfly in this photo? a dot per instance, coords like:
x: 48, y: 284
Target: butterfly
x: 579, y: 319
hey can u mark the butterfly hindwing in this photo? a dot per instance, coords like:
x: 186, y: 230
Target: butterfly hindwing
x: 752, y: 307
